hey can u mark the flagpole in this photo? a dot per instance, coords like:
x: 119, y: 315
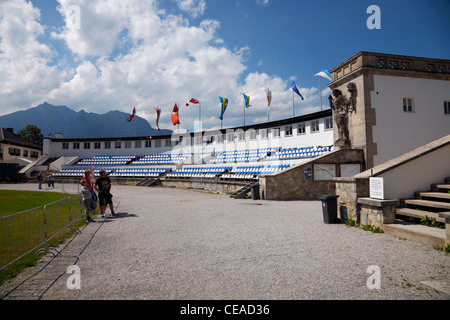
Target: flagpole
x: 135, y: 125
x: 320, y: 85
x: 293, y: 108
x: 244, y: 112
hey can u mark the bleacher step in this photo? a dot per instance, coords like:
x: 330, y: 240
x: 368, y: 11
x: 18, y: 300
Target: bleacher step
x: 437, y: 195
x: 419, y: 214
x: 433, y: 237
x: 428, y: 203
x: 441, y: 186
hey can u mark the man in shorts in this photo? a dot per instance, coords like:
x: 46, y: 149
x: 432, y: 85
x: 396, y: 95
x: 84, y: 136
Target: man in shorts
x: 103, y: 186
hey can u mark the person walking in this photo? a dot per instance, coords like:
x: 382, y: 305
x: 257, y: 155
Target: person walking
x: 51, y: 180
x: 40, y: 179
x: 103, y: 186
x: 89, y: 202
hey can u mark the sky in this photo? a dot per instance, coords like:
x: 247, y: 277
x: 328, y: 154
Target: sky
x: 104, y: 55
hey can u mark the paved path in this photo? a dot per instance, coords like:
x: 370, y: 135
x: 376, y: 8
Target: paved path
x: 177, y: 244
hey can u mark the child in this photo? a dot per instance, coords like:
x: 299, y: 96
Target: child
x: 89, y: 203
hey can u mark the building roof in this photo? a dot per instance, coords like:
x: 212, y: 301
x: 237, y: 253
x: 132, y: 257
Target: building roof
x: 264, y: 125
x: 391, y: 64
x: 7, y: 136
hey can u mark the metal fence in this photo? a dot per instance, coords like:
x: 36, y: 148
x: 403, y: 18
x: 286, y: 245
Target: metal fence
x: 26, y: 231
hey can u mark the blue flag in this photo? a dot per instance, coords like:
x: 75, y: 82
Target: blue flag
x: 224, y: 102
x: 294, y: 87
x: 246, y: 100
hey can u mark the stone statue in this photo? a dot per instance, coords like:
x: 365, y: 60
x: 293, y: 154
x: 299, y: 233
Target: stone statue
x: 342, y: 107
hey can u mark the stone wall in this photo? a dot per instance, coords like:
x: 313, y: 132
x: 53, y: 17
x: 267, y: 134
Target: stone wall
x: 299, y: 182
x: 210, y: 185
x: 376, y: 213
x: 349, y: 190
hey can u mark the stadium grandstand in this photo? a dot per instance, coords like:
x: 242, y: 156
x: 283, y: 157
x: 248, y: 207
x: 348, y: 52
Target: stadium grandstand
x: 228, y: 155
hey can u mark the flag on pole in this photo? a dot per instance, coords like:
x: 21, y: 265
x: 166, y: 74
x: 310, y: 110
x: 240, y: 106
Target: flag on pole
x: 246, y: 101
x: 324, y: 74
x: 174, y: 117
x: 295, y: 89
x: 224, y: 102
x: 269, y: 96
x: 158, y: 113
x: 194, y: 101
x: 132, y: 115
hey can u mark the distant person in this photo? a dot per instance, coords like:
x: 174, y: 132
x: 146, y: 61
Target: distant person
x: 89, y: 202
x: 103, y: 186
x: 51, y: 180
x: 40, y: 178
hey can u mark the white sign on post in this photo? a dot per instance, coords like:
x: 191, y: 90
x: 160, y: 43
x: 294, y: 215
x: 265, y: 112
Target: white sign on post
x: 376, y: 188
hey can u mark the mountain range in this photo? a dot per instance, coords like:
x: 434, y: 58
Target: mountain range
x: 81, y: 124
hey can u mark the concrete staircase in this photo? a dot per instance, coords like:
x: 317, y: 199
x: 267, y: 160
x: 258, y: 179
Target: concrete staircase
x: 239, y: 194
x: 425, y: 204
x: 149, y: 182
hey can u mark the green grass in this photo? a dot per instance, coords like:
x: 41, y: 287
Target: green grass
x: 13, y: 201
x: 21, y: 233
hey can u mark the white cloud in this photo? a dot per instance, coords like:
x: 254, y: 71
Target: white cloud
x: 263, y: 3
x: 24, y: 71
x: 195, y: 8
x: 133, y: 54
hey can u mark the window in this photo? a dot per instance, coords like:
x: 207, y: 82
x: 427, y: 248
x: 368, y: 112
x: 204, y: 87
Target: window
x: 263, y: 133
x: 76, y: 145
x: 328, y: 123
x: 107, y: 145
x: 148, y: 143
x: 87, y: 145
x: 315, y: 126
x: 301, y: 129
x: 158, y: 143
x: 252, y: 134
x: 127, y: 144
x: 137, y: 144
x: 118, y: 145
x: 25, y: 153
x: 34, y: 154
x: 241, y: 136
x: 168, y: 143
x: 408, y: 105
x: 14, y: 151
x: 276, y: 132
x: 220, y: 138
x: 288, y: 131
x: 230, y: 137
x: 65, y: 145
x: 446, y: 107
x: 97, y: 145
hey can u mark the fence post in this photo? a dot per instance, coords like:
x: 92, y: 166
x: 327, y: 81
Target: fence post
x: 70, y: 216
x: 45, y: 229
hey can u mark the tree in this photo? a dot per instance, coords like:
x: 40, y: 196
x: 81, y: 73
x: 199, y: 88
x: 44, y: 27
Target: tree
x: 31, y: 133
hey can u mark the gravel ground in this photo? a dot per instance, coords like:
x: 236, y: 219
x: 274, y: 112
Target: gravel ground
x: 170, y: 244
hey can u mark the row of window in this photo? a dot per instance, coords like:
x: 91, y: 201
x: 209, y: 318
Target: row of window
x: 18, y: 152
x: 117, y: 144
x: 408, y: 106
x: 240, y: 135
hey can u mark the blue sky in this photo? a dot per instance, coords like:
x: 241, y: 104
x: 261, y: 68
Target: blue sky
x: 143, y: 54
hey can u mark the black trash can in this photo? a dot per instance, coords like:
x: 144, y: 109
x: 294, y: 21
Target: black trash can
x: 329, y: 208
x: 255, y: 192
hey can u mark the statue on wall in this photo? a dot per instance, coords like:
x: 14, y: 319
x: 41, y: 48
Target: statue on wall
x: 342, y: 107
